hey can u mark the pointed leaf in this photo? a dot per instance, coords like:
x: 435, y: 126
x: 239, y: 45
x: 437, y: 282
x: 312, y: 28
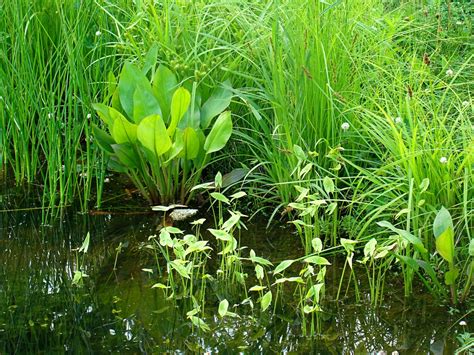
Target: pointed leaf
x: 220, y: 133
x: 218, y: 102
x: 179, y: 105
x: 152, y: 135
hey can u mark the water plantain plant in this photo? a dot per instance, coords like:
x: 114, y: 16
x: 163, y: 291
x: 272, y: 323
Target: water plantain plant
x: 161, y: 133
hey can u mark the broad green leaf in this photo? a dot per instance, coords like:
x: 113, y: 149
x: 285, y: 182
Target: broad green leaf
x: 223, y: 307
x: 445, y: 245
x: 220, y: 197
x: 257, y: 288
x: 442, y: 221
x: 259, y: 272
x: 220, y: 234
x: 261, y: 261
x: 179, y: 267
x: 190, y: 144
x: 103, y: 140
x: 318, y: 260
x: 198, y: 322
x: 266, y: 301
x: 348, y: 244
x: 328, y: 185
x: 369, y: 248
x: 296, y: 279
x: 424, y: 184
x: 317, y: 245
x: 160, y: 285
x: 220, y: 133
x: 144, y: 104
x: 153, y: 136
x: 164, y: 84
x: 451, y: 276
x: 179, y: 105
x: 285, y: 264
x: 444, y: 232
x: 104, y: 113
x: 150, y: 59
x: 299, y: 152
x: 218, y: 102
x: 131, y: 79
x: 238, y: 195
x: 124, y: 131
x: 126, y: 155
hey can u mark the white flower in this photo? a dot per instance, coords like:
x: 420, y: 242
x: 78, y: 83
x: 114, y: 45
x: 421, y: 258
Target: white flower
x: 398, y: 120
x: 345, y: 126
x: 89, y: 116
x: 462, y: 323
x: 449, y: 72
x: 83, y: 175
x: 50, y: 115
x: 106, y: 180
x: 98, y: 33
x: 112, y: 332
x: 443, y: 160
x: 465, y: 103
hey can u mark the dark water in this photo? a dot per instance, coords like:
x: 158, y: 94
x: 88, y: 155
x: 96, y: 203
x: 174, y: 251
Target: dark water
x: 41, y: 311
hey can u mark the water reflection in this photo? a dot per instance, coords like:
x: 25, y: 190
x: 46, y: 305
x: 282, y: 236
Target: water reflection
x: 41, y: 311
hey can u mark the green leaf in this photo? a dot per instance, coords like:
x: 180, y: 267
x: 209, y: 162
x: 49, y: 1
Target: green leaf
x: 104, y: 113
x: 285, y: 264
x: 144, y: 104
x: 266, y: 301
x: 318, y: 260
x: 299, y: 152
x: 218, y: 102
x: 317, y: 245
x: 259, y: 272
x: 444, y: 232
x: 103, y: 140
x: 328, y: 185
x: 152, y: 135
x: 314, y: 291
x: 179, y: 105
x: 451, y: 276
x: 131, y: 79
x: 405, y: 235
x: 124, y: 131
x: 442, y: 222
x: 471, y: 247
x: 220, y: 197
x: 179, y: 267
x: 257, y: 288
x: 126, y: 155
x: 220, y: 234
x: 220, y: 133
x: 223, y: 307
x: 369, y: 248
x: 190, y: 144
x: 445, y: 245
x: 150, y: 59
x: 164, y: 84
x: 198, y: 322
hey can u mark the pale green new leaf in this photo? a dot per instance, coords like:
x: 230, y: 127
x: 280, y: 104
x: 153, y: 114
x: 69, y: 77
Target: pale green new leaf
x: 152, y: 135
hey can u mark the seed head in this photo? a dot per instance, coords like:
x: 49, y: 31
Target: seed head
x: 345, y: 126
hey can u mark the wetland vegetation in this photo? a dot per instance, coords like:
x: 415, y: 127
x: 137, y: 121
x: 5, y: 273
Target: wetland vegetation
x: 241, y: 176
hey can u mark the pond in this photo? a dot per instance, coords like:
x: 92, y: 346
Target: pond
x: 115, y: 309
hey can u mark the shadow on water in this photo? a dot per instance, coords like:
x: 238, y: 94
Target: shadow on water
x: 41, y: 311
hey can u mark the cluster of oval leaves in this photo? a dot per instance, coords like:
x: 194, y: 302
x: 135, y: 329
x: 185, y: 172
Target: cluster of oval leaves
x: 157, y: 130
